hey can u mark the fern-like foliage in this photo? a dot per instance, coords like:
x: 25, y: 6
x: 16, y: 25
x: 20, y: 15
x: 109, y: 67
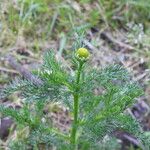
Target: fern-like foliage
x: 104, y: 95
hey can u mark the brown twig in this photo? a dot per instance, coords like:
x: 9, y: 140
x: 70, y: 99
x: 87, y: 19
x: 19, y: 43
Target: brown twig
x: 109, y: 38
x: 127, y: 138
x: 89, y: 45
x: 23, y: 71
x: 8, y: 70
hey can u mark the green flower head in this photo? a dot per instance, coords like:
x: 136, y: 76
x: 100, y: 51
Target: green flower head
x: 82, y: 54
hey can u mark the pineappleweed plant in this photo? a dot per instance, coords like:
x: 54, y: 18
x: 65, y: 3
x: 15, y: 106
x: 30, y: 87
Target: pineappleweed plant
x: 97, y: 100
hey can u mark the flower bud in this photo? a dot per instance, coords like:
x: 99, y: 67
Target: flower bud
x: 82, y: 54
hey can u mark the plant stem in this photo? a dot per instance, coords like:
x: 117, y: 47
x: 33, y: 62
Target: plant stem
x: 76, y: 107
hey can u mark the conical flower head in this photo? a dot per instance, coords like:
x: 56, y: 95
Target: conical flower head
x: 82, y: 54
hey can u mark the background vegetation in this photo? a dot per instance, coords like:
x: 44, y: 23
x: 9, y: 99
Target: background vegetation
x: 116, y: 32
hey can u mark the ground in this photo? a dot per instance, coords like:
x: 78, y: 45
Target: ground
x: 115, y: 32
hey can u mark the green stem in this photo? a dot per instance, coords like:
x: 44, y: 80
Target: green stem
x: 76, y: 107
